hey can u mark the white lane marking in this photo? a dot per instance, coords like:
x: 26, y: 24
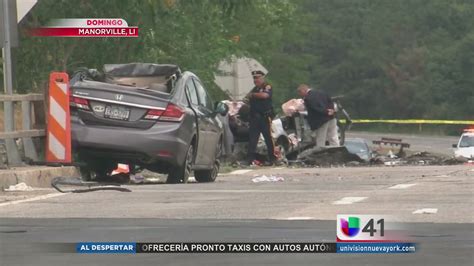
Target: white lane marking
x: 135, y: 189
x: 42, y: 197
x: 348, y: 200
x: 278, y: 168
x: 426, y: 211
x: 297, y: 218
x: 240, y: 172
x: 401, y: 186
x: 442, y: 176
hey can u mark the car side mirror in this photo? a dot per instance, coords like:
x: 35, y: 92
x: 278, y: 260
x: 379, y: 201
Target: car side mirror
x: 221, y: 108
x: 455, y: 145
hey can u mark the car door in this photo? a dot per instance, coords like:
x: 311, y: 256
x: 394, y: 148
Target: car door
x: 208, y: 121
x: 192, y: 96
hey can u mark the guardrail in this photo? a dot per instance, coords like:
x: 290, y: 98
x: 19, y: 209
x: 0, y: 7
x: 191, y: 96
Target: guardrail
x: 25, y: 134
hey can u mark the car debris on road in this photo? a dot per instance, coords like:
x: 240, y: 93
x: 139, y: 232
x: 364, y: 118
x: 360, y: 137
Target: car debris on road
x: 291, y: 132
x: 18, y: 187
x: 327, y: 156
x: 264, y: 178
x: 58, y: 183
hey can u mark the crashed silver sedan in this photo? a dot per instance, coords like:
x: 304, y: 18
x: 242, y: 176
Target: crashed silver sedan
x: 150, y: 116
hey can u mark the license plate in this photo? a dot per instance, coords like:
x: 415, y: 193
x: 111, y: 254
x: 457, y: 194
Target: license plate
x: 116, y: 112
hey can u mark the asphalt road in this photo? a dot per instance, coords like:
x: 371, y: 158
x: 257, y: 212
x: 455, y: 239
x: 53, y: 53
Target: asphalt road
x: 302, y: 208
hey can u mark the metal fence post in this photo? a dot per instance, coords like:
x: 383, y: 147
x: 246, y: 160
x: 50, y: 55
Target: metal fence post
x: 12, y: 150
x: 30, y: 151
x: 13, y: 156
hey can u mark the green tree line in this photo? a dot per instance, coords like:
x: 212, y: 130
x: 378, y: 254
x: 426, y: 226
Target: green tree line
x: 390, y: 59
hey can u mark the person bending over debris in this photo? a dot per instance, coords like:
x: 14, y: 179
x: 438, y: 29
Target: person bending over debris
x: 321, y: 115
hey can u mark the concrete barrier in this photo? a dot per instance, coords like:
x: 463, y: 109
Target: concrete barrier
x: 35, y: 176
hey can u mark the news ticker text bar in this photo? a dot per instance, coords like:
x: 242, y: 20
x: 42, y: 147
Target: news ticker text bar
x: 313, y: 247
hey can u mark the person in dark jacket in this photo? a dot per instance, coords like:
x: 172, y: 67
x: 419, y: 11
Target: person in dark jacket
x: 261, y: 115
x: 321, y: 115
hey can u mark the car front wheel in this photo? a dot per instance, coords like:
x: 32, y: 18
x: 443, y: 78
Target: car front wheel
x: 180, y: 174
x: 211, y: 174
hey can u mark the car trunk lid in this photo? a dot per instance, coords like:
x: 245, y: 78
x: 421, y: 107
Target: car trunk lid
x: 100, y: 103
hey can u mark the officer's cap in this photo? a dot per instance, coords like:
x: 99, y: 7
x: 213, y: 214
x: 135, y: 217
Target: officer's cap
x: 257, y: 73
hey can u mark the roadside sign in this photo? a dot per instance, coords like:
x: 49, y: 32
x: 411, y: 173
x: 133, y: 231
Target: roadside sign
x: 23, y: 7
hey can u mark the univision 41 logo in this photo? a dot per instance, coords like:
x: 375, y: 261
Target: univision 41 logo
x: 367, y: 228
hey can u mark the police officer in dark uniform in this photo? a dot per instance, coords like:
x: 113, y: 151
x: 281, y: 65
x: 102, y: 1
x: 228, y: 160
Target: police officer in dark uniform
x: 261, y: 115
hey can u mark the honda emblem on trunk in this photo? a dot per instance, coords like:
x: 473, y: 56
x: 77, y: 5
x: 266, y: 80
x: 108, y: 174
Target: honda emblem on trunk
x: 118, y: 97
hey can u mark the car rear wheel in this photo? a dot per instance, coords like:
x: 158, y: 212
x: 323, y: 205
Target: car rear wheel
x: 181, y: 173
x: 203, y: 176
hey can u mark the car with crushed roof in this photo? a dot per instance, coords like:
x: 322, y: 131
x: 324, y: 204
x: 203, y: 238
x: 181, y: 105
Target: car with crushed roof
x: 149, y: 116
